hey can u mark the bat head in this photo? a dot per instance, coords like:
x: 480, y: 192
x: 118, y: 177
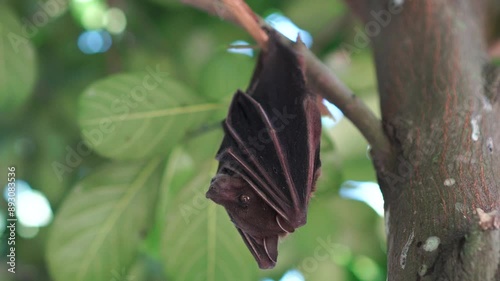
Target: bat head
x: 246, y: 208
x: 258, y: 223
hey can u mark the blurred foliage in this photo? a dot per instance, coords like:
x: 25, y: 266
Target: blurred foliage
x: 122, y: 145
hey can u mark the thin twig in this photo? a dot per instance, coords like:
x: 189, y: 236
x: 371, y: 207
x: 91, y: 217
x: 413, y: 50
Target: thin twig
x: 318, y: 74
x: 248, y: 20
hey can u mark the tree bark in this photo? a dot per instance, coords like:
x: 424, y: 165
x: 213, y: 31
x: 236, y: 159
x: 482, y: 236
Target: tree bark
x: 440, y: 105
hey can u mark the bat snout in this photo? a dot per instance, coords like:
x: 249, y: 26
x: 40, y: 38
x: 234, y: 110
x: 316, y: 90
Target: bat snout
x: 224, y: 188
x: 218, y: 192
x: 213, y: 193
x: 213, y: 190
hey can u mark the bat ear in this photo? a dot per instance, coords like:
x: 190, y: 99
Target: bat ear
x: 287, y: 228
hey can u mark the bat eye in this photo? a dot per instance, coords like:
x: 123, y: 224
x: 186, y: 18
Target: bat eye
x: 244, y: 200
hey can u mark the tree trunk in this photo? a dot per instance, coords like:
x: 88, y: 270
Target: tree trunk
x: 441, y: 111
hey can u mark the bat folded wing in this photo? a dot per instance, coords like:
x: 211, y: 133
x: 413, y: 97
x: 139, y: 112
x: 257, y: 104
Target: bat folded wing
x: 260, y: 155
x: 269, y: 157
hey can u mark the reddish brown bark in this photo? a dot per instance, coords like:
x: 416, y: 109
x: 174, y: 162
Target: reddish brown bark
x: 441, y: 111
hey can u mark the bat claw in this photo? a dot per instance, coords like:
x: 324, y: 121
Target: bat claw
x: 282, y: 228
x: 269, y: 255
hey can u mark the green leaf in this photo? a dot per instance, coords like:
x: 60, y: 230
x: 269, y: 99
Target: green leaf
x: 98, y: 229
x: 202, y: 147
x: 331, y: 167
x: 226, y: 73
x: 200, y: 242
x: 133, y: 116
x: 359, y: 75
x: 315, y: 15
x: 17, y: 62
x: 12, y: 150
x: 314, y: 245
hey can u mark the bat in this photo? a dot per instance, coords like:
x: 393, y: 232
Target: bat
x: 269, y: 157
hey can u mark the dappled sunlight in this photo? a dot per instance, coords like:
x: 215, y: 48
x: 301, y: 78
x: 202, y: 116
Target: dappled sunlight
x: 33, y: 208
x: 240, y: 49
x: 290, y: 275
x: 367, y: 192
x: 100, y: 22
x: 366, y: 269
x: 114, y: 21
x: 289, y: 29
x: 329, y: 122
x: 93, y: 42
x: 293, y: 275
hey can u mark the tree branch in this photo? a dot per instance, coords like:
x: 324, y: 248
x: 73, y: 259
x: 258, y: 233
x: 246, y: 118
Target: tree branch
x: 336, y: 92
x: 318, y: 74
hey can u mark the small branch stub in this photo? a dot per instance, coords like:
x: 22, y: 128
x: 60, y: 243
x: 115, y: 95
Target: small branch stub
x: 488, y: 221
